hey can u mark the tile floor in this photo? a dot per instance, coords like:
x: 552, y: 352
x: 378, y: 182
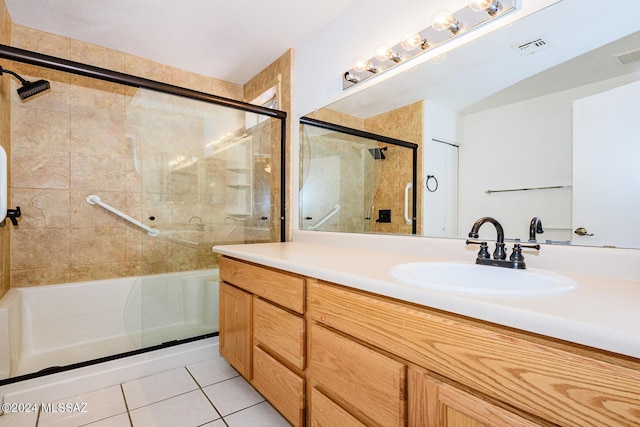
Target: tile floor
x: 208, y: 393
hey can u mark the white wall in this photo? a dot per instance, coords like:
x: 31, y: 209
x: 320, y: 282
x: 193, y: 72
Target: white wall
x: 444, y: 125
x: 522, y: 145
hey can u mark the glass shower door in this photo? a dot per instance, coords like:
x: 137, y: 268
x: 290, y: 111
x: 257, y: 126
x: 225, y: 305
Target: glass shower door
x: 208, y: 174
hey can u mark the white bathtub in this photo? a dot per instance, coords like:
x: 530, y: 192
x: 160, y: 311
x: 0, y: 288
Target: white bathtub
x: 58, y: 325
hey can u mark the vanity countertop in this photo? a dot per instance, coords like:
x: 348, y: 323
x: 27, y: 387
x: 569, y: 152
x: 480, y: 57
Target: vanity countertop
x: 603, y: 313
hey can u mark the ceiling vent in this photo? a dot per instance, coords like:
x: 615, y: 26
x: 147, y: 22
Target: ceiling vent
x: 531, y: 46
x: 628, y: 57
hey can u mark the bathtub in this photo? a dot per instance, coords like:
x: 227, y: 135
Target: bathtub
x: 58, y: 325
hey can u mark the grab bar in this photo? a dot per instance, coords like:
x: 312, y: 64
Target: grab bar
x: 95, y: 200
x: 406, y: 202
x: 325, y: 218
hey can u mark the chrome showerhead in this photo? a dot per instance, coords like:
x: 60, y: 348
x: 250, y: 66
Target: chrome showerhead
x: 28, y: 88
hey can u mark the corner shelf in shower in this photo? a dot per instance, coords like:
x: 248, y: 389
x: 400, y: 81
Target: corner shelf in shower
x: 239, y: 180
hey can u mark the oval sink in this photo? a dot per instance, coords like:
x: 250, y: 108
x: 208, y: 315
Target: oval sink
x: 481, y: 279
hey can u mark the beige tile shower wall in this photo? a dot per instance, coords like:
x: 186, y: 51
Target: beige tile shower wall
x: 404, y: 123
x: 278, y: 74
x: 5, y: 141
x: 78, y: 140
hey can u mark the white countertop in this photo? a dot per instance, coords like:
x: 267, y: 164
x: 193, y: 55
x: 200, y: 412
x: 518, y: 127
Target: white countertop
x: 603, y: 313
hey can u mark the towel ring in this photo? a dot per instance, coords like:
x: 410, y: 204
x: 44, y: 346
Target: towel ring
x: 430, y: 177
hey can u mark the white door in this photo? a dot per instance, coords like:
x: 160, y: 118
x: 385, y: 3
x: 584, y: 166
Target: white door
x: 440, y: 189
x: 606, y: 167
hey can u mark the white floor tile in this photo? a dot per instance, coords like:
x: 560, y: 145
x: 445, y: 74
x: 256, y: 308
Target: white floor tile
x: 168, y: 399
x: 100, y: 404
x: 188, y: 410
x: 155, y: 388
x: 121, y: 420
x: 212, y: 371
x: 232, y: 395
x: 15, y: 419
x: 262, y: 415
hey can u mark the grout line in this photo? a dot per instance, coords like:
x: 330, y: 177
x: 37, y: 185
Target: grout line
x: 251, y: 406
x: 207, y: 397
x: 126, y: 405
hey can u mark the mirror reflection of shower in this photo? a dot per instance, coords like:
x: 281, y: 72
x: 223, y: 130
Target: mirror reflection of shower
x: 352, y: 180
x: 378, y: 153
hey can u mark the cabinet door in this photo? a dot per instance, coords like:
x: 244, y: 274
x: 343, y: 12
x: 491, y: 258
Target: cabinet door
x: 363, y: 381
x: 433, y: 403
x: 236, y: 334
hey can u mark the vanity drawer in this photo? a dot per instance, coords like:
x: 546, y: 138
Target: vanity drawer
x: 280, y: 386
x: 282, y: 288
x: 343, y: 369
x: 325, y: 413
x: 279, y: 330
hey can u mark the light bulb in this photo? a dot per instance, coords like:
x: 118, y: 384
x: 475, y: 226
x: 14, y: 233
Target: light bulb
x: 411, y: 41
x: 444, y: 20
x: 384, y: 53
x: 364, y: 65
x: 490, y: 6
x: 361, y: 65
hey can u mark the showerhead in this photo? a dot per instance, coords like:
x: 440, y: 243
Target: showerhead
x: 28, y: 88
x: 31, y: 88
x: 377, y: 153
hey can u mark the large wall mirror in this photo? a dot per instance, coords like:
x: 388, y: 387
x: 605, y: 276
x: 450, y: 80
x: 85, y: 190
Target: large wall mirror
x: 516, y: 135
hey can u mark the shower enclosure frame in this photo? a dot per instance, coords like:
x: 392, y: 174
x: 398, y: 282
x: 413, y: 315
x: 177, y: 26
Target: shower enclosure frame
x: 60, y: 64
x: 386, y: 140
x: 78, y: 68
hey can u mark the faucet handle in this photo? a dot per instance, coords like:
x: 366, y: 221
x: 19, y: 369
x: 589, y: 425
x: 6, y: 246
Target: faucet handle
x: 484, y: 248
x: 516, y: 255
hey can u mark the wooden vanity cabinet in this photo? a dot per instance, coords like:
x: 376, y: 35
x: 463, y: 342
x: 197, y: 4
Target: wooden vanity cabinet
x: 355, y: 359
x: 263, y: 332
x: 466, y: 373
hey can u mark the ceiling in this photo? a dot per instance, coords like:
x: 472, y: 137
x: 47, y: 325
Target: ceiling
x: 228, y: 40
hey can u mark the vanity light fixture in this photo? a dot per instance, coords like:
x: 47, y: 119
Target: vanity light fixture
x: 444, y: 20
x: 445, y: 26
x: 490, y: 6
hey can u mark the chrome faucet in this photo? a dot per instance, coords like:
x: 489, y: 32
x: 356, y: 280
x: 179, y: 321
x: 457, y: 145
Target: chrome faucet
x: 516, y: 260
x: 535, y: 227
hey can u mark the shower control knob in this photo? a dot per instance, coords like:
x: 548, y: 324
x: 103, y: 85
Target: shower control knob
x: 13, y: 215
